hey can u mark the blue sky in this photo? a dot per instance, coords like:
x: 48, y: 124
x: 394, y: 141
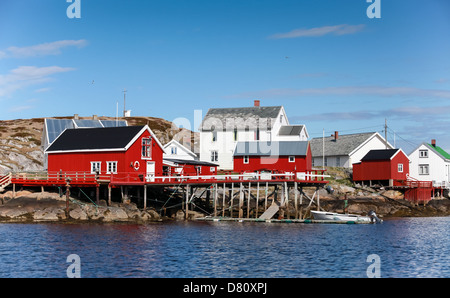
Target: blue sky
x: 325, y: 61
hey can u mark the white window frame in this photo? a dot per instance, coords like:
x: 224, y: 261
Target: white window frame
x: 96, y: 166
x: 111, y: 167
x: 291, y: 158
x: 423, y: 153
x: 146, y: 150
x: 214, y: 155
x: 400, y: 168
x: 424, y: 169
x: 173, y: 150
x: 246, y: 159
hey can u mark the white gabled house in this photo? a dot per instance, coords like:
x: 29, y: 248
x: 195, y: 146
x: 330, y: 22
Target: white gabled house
x: 222, y: 128
x: 430, y: 162
x: 175, y: 150
x: 345, y: 150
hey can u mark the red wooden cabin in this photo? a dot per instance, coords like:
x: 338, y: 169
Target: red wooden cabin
x: 107, y: 151
x: 386, y: 167
x: 282, y: 156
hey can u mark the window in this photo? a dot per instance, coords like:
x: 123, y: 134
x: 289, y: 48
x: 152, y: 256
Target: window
x: 281, y: 118
x: 246, y: 159
x: 400, y: 168
x: 291, y: 158
x: 111, y: 167
x: 423, y: 153
x: 424, y: 169
x: 326, y: 162
x: 214, y: 156
x: 146, y: 147
x: 173, y: 150
x: 257, y: 134
x: 95, y: 167
x: 235, y: 135
x: 338, y: 161
x: 214, y: 136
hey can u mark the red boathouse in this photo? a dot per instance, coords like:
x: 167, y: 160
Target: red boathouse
x: 282, y: 156
x: 387, y: 167
x: 106, y: 151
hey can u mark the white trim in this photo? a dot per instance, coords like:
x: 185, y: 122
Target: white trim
x: 398, y: 150
x: 107, y: 166
x: 173, y: 141
x: 369, y: 139
x: 99, y: 168
x: 87, y: 150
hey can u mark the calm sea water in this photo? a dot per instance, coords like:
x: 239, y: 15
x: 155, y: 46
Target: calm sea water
x: 408, y: 247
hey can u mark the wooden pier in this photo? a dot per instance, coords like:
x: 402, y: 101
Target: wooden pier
x: 248, y: 195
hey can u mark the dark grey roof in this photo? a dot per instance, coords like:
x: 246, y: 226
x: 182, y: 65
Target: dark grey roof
x: 380, y: 154
x: 191, y: 162
x: 95, y: 138
x: 290, y: 130
x: 241, y: 118
x: 344, y: 145
x: 263, y: 148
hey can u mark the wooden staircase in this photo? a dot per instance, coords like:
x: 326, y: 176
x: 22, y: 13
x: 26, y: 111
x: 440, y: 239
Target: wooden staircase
x: 5, y: 181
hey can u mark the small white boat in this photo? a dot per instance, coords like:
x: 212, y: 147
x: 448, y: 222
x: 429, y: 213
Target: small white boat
x: 323, y: 215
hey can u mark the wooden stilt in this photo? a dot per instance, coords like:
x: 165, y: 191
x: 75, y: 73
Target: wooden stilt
x: 109, y: 195
x: 231, y: 200
x: 187, y: 203
x: 241, y: 200
x: 257, y: 199
x: 97, y: 194
x: 318, y: 199
x: 223, y: 199
x: 215, y: 199
x: 145, y: 197
x: 295, y: 200
x: 301, y: 203
x: 265, y: 200
x: 286, y: 198
x: 248, y: 199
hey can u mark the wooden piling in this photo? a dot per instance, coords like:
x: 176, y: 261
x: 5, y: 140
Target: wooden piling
x: 248, y: 199
x: 223, y: 199
x: 187, y: 203
x: 231, y: 200
x: 241, y: 200
x: 109, y: 195
x: 257, y: 199
x: 145, y: 197
x: 295, y: 200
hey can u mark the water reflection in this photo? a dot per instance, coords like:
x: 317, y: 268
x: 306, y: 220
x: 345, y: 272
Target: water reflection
x: 415, y: 247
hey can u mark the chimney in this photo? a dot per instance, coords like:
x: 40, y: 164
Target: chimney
x: 76, y: 117
x: 433, y: 142
x: 257, y: 102
x: 336, y: 135
x: 94, y: 117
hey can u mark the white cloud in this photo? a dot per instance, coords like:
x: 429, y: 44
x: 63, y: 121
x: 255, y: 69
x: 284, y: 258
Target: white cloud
x: 44, y: 49
x: 24, y: 76
x: 347, y: 91
x: 342, y: 29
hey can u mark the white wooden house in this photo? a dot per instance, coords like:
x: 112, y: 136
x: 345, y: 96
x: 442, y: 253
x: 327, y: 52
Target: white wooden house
x: 177, y: 151
x: 345, y: 150
x: 222, y: 128
x: 430, y: 162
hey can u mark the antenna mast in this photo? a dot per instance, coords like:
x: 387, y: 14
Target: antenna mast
x: 124, y: 101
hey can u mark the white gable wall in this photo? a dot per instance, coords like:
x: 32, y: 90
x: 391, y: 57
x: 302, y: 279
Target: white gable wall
x: 438, y: 167
x: 373, y: 143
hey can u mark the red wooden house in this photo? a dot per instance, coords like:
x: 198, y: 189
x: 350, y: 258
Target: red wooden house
x: 107, y: 151
x: 385, y: 167
x: 280, y: 156
x: 187, y: 167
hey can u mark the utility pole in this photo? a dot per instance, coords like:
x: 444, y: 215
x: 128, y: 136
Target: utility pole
x: 124, y: 100
x: 385, y: 132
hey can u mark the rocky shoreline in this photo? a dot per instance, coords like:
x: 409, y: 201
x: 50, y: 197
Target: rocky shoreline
x: 28, y: 207
x: 38, y: 207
